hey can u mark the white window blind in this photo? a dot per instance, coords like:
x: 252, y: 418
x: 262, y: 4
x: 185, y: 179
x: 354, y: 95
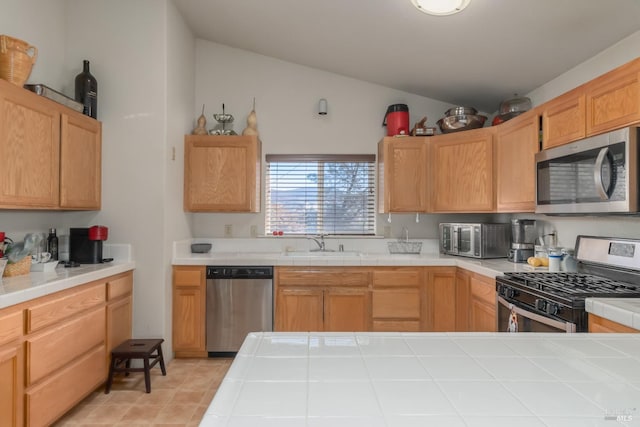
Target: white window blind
x: 320, y: 194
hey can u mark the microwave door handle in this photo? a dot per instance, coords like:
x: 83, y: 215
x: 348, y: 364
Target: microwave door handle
x: 597, y: 173
x: 455, y: 238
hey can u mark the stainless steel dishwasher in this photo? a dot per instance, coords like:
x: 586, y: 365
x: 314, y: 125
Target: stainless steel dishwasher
x: 239, y: 301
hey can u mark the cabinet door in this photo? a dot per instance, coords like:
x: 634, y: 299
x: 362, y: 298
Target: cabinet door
x: 613, y: 100
x: 222, y: 174
x: 29, y: 149
x: 564, y: 118
x: 299, y: 309
x: 463, y: 171
x: 346, y: 309
x: 441, y: 300
x: 80, y: 162
x: 402, y: 183
x: 189, y: 311
x: 119, y: 322
x: 463, y: 300
x: 483, y: 304
x: 517, y: 143
x: 599, y: 324
x: 397, y: 299
x: 11, y: 385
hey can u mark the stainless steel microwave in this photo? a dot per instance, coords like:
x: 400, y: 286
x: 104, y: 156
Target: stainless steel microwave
x: 480, y: 240
x: 594, y: 175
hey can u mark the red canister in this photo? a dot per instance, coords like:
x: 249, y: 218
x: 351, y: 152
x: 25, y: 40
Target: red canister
x: 98, y: 232
x: 397, y: 120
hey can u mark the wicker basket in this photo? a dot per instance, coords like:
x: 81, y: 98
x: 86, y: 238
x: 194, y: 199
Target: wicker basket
x: 15, y: 60
x: 19, y: 268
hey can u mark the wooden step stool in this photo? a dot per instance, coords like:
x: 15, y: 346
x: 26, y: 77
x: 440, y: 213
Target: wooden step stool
x: 136, y: 349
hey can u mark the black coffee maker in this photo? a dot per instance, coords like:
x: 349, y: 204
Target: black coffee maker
x: 85, y: 244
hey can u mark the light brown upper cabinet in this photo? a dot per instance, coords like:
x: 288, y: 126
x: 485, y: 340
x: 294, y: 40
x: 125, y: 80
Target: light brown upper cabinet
x: 51, y: 155
x: 605, y: 103
x: 462, y: 171
x: 222, y: 173
x: 517, y: 142
x: 563, y: 119
x: 80, y: 162
x: 613, y: 99
x: 403, y: 175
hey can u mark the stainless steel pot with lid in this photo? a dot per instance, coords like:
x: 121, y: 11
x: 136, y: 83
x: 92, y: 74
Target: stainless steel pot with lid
x: 514, y: 106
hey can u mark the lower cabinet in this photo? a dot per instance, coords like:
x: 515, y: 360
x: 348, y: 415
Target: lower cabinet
x: 11, y: 367
x: 399, y: 300
x: 601, y: 325
x: 54, y: 349
x: 189, y: 303
x: 441, y: 299
x: 379, y: 299
x: 322, y: 299
x: 463, y: 300
x: 483, y: 309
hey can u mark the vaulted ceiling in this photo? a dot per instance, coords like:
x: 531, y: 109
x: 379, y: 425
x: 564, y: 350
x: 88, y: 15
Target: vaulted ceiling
x: 485, y: 54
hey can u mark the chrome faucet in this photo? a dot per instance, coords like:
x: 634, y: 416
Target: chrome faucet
x: 320, y: 242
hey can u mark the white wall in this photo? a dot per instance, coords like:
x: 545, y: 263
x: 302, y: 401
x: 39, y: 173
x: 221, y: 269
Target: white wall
x: 126, y: 42
x: 569, y: 227
x: 286, y: 105
x: 180, y: 66
x: 39, y: 23
x: 287, y: 98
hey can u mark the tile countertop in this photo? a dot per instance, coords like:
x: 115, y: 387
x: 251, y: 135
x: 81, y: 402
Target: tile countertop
x: 14, y: 290
x: 487, y: 267
x: 625, y: 311
x: 440, y: 379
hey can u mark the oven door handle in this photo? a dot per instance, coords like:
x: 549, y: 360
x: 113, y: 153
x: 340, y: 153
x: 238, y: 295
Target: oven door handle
x: 565, y: 326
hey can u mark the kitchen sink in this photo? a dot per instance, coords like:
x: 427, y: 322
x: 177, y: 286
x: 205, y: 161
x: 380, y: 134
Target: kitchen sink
x: 310, y: 254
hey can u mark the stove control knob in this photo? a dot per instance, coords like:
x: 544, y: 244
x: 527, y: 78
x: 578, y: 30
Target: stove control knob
x: 552, y: 309
x: 541, y: 304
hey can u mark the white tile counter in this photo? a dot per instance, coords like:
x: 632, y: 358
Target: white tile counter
x: 362, y: 257
x: 435, y: 379
x: 14, y: 290
x: 625, y: 311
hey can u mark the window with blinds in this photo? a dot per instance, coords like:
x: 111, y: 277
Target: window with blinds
x: 320, y: 194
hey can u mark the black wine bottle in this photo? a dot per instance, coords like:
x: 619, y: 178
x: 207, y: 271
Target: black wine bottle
x: 87, y: 91
x: 52, y: 244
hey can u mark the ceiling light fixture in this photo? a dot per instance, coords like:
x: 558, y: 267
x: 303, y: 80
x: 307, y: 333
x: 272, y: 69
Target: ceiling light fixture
x: 440, y: 7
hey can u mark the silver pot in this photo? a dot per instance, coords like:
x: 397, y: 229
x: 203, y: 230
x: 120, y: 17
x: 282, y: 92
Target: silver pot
x: 461, y: 122
x: 460, y: 111
x: 512, y: 107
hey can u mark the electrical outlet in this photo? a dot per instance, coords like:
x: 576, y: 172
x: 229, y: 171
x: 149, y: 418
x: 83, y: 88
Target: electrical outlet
x: 387, y: 231
x: 228, y: 230
x: 254, y: 231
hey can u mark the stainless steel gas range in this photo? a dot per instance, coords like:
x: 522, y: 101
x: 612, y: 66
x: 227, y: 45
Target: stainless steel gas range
x: 555, y: 302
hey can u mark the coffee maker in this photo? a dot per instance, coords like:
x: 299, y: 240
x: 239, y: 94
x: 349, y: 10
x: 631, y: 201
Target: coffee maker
x: 85, y: 244
x: 523, y: 234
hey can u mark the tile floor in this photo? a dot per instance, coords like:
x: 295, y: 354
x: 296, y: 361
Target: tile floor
x: 176, y: 400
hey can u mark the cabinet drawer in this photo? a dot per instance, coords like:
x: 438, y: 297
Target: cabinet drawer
x: 119, y: 287
x: 397, y: 277
x: 396, y: 304
x: 49, y: 400
x: 483, y: 289
x: 396, y: 326
x: 48, y: 352
x: 10, y: 326
x: 323, y: 277
x: 53, y: 311
x: 189, y: 276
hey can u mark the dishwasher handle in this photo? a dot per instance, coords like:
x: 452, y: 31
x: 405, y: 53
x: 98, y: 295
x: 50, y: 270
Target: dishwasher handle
x: 239, y: 272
